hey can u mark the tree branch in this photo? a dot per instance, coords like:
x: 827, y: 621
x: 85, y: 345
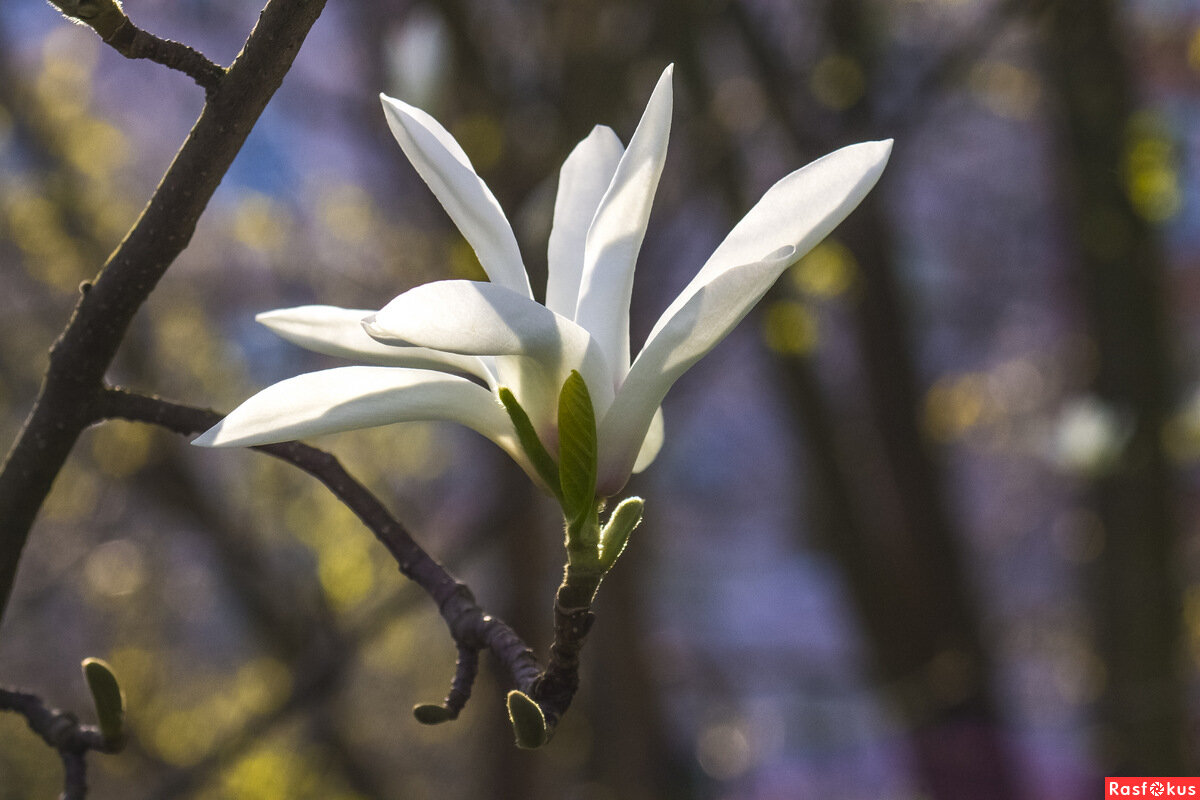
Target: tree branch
x: 62, y: 731
x: 470, y: 627
x: 108, y: 19
x: 73, y: 382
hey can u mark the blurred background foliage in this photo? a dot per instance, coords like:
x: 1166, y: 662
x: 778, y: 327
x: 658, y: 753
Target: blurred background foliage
x: 924, y: 527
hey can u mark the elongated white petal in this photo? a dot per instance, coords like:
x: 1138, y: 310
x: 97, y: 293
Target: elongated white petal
x: 535, y: 348
x: 683, y: 339
x: 582, y: 182
x: 339, y: 332
x: 798, y: 211
x: 443, y: 165
x: 616, y: 233
x: 348, y: 398
x: 652, y: 443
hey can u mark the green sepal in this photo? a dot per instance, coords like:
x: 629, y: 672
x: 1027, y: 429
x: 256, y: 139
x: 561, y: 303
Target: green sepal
x: 108, y: 698
x: 432, y: 713
x: 542, y: 461
x: 615, y: 534
x: 528, y: 721
x: 576, y: 448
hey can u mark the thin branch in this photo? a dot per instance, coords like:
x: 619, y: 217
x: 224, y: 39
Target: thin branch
x: 469, y: 626
x: 62, y: 731
x: 108, y: 19
x: 133, y: 42
x: 78, y: 360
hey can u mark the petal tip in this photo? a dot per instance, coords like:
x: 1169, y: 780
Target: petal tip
x: 268, y: 317
x: 208, y: 438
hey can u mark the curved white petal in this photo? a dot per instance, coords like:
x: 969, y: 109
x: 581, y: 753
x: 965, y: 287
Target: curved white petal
x: 616, y: 233
x: 347, y: 398
x: 339, y: 332
x: 798, y: 211
x: 582, y: 181
x: 535, y: 348
x: 683, y: 339
x: 443, y: 165
x: 652, y: 443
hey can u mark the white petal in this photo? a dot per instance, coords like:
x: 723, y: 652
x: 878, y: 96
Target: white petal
x: 798, y: 211
x: 443, y: 165
x: 348, y: 398
x: 339, y: 332
x: 582, y: 181
x: 652, y: 443
x: 691, y: 331
x: 536, y: 349
x: 616, y: 234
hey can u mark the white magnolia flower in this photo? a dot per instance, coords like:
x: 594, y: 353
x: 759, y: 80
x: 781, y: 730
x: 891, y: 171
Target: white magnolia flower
x: 422, y: 344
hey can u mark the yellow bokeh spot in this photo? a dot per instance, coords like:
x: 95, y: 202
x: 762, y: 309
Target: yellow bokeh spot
x: 122, y: 448
x: 6, y: 127
x: 260, y: 223
x: 1193, y: 51
x: 182, y: 738
x: 185, y: 339
x: 138, y: 669
x: 954, y: 404
x: 344, y: 569
x: 1151, y: 171
x: 1181, y: 436
x: 348, y: 212
x: 790, y: 328
x: 96, y: 148
x: 75, y: 495
x: 116, y: 568
x: 261, y: 685
x: 464, y: 263
x: 1006, y: 89
x: 392, y: 646
x: 838, y: 81
x: 482, y: 138
x: 828, y: 270
x: 271, y: 773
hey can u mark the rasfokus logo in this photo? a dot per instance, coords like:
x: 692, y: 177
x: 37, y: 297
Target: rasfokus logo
x: 1151, y: 787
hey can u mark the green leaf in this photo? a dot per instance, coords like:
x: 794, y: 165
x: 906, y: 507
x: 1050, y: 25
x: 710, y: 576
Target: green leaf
x: 576, y: 447
x: 109, y: 700
x: 432, y: 713
x: 530, y: 443
x: 528, y: 721
x: 615, y: 535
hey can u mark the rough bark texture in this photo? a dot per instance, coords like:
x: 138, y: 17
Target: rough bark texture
x: 82, y: 354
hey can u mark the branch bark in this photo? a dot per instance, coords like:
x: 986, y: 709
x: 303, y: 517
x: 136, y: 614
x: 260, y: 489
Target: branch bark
x: 73, y: 383
x: 62, y: 731
x: 469, y: 626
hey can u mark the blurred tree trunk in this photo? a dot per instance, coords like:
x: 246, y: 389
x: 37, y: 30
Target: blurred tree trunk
x: 907, y: 577
x: 630, y: 753
x: 1136, y: 582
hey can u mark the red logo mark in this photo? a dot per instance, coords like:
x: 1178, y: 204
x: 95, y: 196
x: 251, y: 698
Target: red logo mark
x: 1151, y: 787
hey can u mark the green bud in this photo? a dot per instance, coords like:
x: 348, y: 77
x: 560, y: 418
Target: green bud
x: 109, y: 700
x: 615, y: 534
x: 432, y: 713
x: 529, y: 724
